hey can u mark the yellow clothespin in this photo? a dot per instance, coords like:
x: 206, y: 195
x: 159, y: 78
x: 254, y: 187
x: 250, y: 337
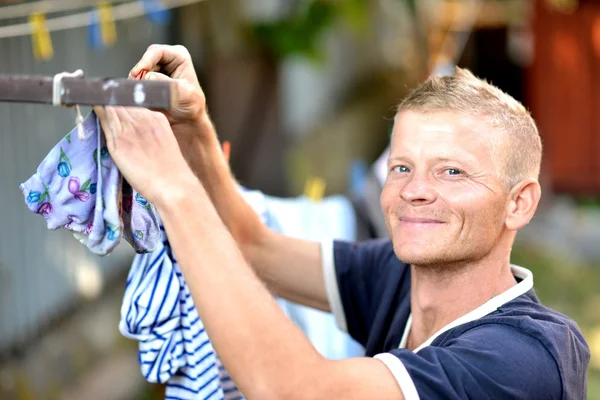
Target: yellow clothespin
x: 40, y: 37
x: 314, y: 188
x: 108, y: 28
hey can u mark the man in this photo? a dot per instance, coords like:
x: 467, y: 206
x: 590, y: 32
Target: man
x: 452, y: 319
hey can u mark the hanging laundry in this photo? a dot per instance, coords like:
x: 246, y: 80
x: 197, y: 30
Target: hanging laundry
x: 78, y: 187
x: 158, y: 311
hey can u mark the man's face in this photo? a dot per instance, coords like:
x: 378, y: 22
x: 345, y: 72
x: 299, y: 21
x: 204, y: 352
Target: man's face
x: 443, y: 200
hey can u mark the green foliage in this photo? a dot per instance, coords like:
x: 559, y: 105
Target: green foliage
x: 568, y: 286
x: 589, y: 202
x: 298, y: 34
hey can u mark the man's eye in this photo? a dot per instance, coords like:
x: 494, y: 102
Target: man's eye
x: 400, y: 168
x: 453, y: 171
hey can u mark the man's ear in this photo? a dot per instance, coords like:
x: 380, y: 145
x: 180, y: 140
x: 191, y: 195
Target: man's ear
x: 523, y: 201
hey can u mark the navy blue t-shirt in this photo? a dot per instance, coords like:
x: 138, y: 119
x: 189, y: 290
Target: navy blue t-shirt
x: 519, y: 350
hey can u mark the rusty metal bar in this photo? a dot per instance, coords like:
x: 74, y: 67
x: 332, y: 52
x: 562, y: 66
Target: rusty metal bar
x: 88, y: 92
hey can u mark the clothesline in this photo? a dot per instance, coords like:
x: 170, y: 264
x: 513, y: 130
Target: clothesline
x: 48, y: 6
x: 120, y: 12
x: 88, y: 92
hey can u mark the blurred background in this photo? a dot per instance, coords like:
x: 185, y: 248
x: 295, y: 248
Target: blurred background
x: 303, y: 89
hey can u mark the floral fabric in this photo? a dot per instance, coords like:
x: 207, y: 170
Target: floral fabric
x: 78, y: 187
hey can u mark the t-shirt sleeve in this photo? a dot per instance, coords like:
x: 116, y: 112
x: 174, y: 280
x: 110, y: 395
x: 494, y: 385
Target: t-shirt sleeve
x: 488, y: 362
x: 356, y: 275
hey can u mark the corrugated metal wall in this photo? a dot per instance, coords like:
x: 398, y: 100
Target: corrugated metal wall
x: 43, y: 272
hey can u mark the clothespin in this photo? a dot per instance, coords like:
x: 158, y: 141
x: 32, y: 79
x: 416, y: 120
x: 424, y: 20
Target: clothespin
x: 40, y: 37
x: 94, y: 32
x: 102, y: 31
x: 108, y: 28
x: 156, y: 11
x: 314, y: 188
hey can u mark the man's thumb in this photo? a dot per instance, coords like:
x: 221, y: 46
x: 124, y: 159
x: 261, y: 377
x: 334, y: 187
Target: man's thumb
x: 157, y: 76
x: 182, y: 85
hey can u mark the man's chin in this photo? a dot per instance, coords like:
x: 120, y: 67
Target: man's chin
x: 414, y: 257
x: 421, y: 256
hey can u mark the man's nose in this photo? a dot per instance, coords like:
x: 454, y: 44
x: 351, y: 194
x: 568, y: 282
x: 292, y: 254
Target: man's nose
x: 418, y: 190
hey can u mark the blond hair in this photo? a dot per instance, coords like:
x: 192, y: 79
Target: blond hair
x: 514, y: 128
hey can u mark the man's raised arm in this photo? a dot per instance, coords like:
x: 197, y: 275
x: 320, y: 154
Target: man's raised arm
x: 290, y: 267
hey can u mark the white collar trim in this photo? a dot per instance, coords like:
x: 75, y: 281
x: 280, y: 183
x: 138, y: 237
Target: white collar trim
x: 490, y: 306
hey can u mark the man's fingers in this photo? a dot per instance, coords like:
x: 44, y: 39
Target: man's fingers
x: 152, y: 58
x: 106, y: 117
x: 161, y: 57
x: 100, y: 113
x: 125, y: 119
x: 182, y: 86
x: 157, y: 76
x: 108, y: 123
x: 141, y: 74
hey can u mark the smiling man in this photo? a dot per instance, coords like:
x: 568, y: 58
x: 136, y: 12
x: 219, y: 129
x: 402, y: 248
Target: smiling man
x: 441, y: 311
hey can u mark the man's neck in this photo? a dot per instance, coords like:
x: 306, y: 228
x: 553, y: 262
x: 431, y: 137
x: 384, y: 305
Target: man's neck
x: 439, y: 295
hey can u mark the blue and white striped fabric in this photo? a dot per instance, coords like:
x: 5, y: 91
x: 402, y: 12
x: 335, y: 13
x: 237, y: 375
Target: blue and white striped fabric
x: 158, y: 312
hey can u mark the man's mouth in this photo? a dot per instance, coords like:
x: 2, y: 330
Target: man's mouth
x: 420, y: 221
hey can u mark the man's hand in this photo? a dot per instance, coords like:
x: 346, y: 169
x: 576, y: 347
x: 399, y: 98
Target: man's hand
x: 291, y: 266
x: 174, y: 64
x: 142, y: 145
x: 189, y: 118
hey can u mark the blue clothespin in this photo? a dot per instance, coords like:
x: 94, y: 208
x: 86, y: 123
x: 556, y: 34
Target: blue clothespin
x: 156, y: 11
x: 358, y: 176
x: 94, y: 31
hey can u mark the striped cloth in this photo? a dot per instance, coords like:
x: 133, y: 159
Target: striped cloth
x: 158, y: 312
